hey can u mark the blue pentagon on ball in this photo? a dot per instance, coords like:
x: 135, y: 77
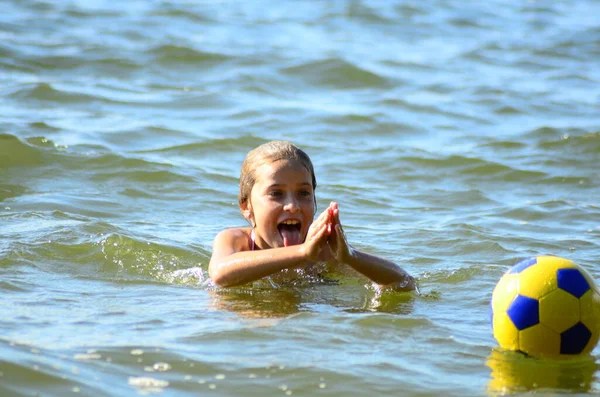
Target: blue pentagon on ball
x: 524, y: 312
x: 574, y: 340
x: 572, y: 281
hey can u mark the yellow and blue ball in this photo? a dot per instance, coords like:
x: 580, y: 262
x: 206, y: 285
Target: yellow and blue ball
x: 546, y: 306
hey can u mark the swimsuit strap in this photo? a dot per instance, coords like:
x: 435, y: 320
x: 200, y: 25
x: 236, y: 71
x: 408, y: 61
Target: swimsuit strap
x: 253, y: 246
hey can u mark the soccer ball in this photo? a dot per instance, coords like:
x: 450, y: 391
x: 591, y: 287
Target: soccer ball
x: 546, y: 306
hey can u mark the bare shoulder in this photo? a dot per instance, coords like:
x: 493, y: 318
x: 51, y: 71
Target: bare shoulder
x: 233, y: 240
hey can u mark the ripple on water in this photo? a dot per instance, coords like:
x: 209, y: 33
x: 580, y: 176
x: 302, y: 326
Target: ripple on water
x: 336, y: 72
x: 170, y: 55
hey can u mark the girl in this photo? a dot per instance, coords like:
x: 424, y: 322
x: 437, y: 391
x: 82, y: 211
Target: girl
x: 277, y: 198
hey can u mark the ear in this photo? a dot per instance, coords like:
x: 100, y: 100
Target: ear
x: 247, y: 212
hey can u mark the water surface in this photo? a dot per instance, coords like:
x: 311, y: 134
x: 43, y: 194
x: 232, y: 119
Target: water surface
x: 457, y: 140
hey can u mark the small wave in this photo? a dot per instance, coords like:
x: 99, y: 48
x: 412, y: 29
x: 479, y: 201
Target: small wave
x: 465, y: 22
x: 33, y: 378
x: 28, y: 369
x: 160, y: 262
x: 115, y: 65
x: 171, y: 54
x: 574, y: 77
x: 223, y: 145
x: 565, y: 180
x: 8, y: 191
x: 12, y: 286
x: 508, y: 110
x: 336, y: 73
x: 412, y: 107
x: 411, y: 10
x: 177, y: 13
x: 43, y: 126
x: 46, y: 92
x: 452, y: 276
x: 100, y: 251
x: 361, y: 11
x: 15, y: 152
x: 544, y: 132
x: 573, y: 139
x: 143, y: 176
x: 503, y: 145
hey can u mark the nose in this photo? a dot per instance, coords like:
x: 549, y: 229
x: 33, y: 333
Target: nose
x: 291, y: 205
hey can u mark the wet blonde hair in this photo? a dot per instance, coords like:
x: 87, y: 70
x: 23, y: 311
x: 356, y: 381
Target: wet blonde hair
x: 267, y: 153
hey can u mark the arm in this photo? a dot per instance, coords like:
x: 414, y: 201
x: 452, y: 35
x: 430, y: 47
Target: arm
x: 378, y: 270
x: 381, y: 271
x: 229, y: 267
x: 233, y: 264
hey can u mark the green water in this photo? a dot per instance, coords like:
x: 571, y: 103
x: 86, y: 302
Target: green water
x: 458, y: 138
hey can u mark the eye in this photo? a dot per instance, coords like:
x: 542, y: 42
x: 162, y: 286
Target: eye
x: 275, y: 193
x: 305, y: 193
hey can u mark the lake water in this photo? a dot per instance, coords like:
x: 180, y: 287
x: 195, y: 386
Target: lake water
x: 458, y: 138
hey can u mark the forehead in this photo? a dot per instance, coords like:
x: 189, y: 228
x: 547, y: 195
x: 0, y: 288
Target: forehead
x: 282, y: 171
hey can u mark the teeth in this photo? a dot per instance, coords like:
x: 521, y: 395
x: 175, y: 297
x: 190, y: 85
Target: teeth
x: 290, y: 222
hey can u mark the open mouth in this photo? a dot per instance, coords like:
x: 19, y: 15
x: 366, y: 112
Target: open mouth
x: 290, y: 232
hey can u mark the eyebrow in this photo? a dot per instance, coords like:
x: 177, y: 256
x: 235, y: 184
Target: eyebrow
x: 283, y: 184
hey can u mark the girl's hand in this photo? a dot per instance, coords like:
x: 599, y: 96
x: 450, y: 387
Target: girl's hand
x: 316, y: 237
x: 340, y: 249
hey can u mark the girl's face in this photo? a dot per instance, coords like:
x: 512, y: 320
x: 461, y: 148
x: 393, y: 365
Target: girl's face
x: 282, y: 204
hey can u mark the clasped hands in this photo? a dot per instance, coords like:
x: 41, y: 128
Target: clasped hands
x: 325, y: 239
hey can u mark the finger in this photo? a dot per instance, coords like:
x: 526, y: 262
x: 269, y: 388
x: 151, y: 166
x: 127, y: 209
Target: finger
x: 341, y: 239
x: 316, y: 232
x: 318, y: 222
x: 320, y: 234
x: 324, y: 214
x: 323, y: 219
x: 336, y: 216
